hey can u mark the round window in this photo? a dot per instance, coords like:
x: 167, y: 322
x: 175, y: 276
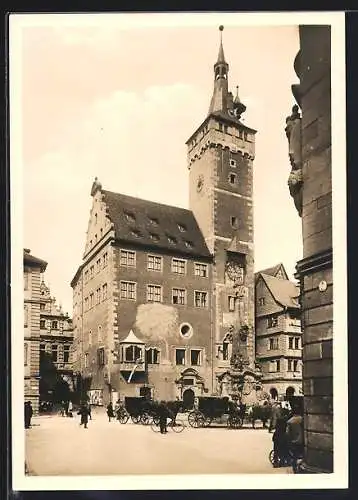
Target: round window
x: 186, y: 330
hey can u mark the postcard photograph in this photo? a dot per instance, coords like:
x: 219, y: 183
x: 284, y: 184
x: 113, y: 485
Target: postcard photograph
x: 178, y: 250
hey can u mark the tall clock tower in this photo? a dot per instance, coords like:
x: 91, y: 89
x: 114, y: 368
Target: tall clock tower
x: 220, y: 160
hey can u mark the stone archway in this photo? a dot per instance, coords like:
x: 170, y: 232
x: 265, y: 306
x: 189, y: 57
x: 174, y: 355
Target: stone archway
x: 290, y: 391
x: 188, y: 399
x: 274, y: 393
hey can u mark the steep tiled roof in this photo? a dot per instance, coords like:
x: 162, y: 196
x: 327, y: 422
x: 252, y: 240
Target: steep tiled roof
x: 132, y: 339
x: 32, y: 261
x: 142, y: 222
x: 284, y: 291
x: 271, y: 271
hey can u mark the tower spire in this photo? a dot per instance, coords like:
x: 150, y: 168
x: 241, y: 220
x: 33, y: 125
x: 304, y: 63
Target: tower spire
x: 219, y: 101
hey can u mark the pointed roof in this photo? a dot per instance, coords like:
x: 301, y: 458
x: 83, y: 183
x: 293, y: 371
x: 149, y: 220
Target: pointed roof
x: 271, y: 271
x: 221, y: 57
x: 284, y: 292
x: 131, y: 339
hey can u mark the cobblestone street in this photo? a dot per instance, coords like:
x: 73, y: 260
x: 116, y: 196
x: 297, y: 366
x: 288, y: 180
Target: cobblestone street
x: 60, y: 446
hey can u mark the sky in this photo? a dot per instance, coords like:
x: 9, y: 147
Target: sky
x: 118, y: 101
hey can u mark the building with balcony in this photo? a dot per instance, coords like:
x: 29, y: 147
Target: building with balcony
x: 33, y: 269
x: 56, y: 350
x: 278, y: 332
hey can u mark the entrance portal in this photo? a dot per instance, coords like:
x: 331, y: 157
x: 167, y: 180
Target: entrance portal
x: 188, y: 399
x: 290, y: 391
x: 274, y: 393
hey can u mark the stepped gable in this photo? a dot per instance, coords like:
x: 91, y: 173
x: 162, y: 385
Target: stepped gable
x: 146, y: 223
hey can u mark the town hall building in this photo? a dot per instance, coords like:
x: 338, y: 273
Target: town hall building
x: 163, y: 301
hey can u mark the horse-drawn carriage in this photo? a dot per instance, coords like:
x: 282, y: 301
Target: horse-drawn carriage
x: 143, y: 410
x: 216, y: 409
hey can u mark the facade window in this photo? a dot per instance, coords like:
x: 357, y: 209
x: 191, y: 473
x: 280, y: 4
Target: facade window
x: 26, y: 281
x: 180, y: 356
x: 66, y: 353
x: 295, y: 365
x: 98, y: 265
x: 127, y: 258
x: 42, y: 306
x: 154, y: 293
x: 54, y: 352
x: 186, y: 330
x: 128, y: 290
x: 104, y: 291
x: 100, y: 337
x: 95, y: 218
x: 98, y: 295
x: 201, y: 270
x: 233, y: 163
x: 234, y: 222
x: 273, y: 344
x: 86, y: 360
x: 290, y: 342
x: 54, y: 325
x: 201, y: 299
x: 232, y: 178
x: 290, y: 365
x: 261, y: 301
x: 297, y: 342
x: 91, y: 271
x: 90, y: 337
x: 178, y: 266
x: 42, y: 324
x: 225, y: 351
x: 91, y: 300
x: 272, y: 321
x: 220, y: 127
x: 231, y: 303
x: 275, y: 365
x: 86, y: 276
x: 245, y: 136
x: 26, y: 347
x: 105, y: 259
x: 100, y: 356
x: 195, y: 357
x: 152, y: 356
x: 26, y: 316
x: 154, y: 263
x: 132, y: 353
x: 178, y: 296
x: 86, y: 304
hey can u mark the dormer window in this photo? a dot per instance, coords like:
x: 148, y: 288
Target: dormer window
x: 154, y: 221
x: 154, y: 237
x: 172, y: 240
x: 136, y: 233
x: 181, y: 228
x: 188, y: 244
x: 129, y: 216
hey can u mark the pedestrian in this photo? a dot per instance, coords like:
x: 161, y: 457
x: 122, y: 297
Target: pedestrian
x: 84, y: 412
x: 89, y: 408
x: 28, y: 414
x: 275, y: 414
x: 279, y: 438
x: 110, y: 411
x: 70, y: 409
x: 294, y: 432
x: 163, y: 416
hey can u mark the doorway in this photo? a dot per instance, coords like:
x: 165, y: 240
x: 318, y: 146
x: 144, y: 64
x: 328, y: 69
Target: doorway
x: 274, y: 393
x: 290, y: 391
x: 188, y: 399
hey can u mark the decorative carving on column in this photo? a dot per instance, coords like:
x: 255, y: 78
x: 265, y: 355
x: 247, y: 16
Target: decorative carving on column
x: 294, y: 135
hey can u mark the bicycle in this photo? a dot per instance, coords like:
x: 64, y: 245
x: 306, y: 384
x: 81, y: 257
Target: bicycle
x: 176, y: 425
x: 291, y: 460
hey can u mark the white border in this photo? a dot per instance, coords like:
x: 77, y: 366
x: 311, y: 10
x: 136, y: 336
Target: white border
x: 339, y: 479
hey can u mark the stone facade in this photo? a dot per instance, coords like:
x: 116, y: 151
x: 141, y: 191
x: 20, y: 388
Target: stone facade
x: 33, y: 268
x: 313, y: 95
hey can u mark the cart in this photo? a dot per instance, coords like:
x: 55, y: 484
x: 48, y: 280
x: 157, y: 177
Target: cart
x: 212, y: 409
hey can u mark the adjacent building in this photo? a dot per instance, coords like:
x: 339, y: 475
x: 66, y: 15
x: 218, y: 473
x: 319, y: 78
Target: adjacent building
x: 56, y: 350
x: 278, y: 332
x: 162, y: 290
x: 33, y: 270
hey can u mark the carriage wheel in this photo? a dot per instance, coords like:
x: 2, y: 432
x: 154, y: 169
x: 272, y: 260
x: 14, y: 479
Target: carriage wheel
x: 135, y: 419
x: 271, y: 456
x: 207, y: 421
x: 146, y: 419
x: 155, y: 426
x: 195, y: 419
x: 234, y: 422
x: 123, y: 419
x: 178, y: 426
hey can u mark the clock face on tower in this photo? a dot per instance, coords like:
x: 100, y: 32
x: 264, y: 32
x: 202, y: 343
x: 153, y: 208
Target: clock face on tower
x: 200, y: 183
x: 235, y: 272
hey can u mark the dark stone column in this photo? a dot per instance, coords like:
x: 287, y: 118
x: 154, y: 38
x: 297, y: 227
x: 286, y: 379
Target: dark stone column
x: 314, y: 271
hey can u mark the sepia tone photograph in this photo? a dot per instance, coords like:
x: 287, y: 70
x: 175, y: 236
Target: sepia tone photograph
x: 176, y: 177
